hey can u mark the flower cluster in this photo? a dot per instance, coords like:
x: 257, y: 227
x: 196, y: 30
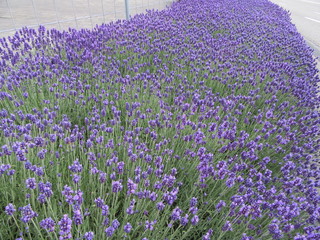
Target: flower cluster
x: 196, y: 122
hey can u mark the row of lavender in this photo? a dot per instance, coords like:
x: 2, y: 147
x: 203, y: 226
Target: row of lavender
x: 196, y: 122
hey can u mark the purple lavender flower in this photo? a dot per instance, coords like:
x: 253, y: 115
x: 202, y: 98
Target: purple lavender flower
x: 105, y: 210
x: 171, y: 196
x: 11, y: 172
x: 127, y: 228
x: 115, y: 224
x: 77, y: 217
x: 48, y: 224
x: 88, y: 236
x: 120, y: 167
x: 65, y: 225
x: 184, y: 220
x: 76, y: 178
x: 31, y: 183
x: 246, y: 237
x: 94, y: 170
x: 193, y: 202
x: 39, y: 171
x: 193, y: 210
x: 227, y: 226
x: 220, y: 205
x: 207, y: 236
x: 78, y: 198
x: 149, y: 225
x: 102, y: 177
x: 116, y: 186
x: 99, y: 202
x: 42, y: 153
x: 4, y: 168
x: 130, y: 210
x: 269, y: 114
x: 45, y: 188
x: 275, y: 230
x: 10, y: 209
x: 176, y: 214
x: 76, y: 167
x: 109, y: 231
x: 42, y: 198
x: 230, y: 182
x: 67, y: 192
x: 106, y: 221
x: 199, y: 83
x: 27, y: 213
x: 194, y: 220
x: 160, y: 206
x: 89, y: 143
x: 131, y: 187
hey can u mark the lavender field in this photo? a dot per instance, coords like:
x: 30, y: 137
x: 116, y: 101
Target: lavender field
x: 196, y: 122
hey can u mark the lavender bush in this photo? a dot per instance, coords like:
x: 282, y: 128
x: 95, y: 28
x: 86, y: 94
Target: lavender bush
x: 196, y: 122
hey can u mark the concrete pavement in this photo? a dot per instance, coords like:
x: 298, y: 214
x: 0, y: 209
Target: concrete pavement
x: 62, y: 14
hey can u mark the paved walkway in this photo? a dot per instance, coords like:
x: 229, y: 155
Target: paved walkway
x: 62, y: 14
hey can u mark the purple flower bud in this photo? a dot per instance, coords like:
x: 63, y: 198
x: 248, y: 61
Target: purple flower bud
x: 42, y: 153
x: 48, y: 224
x: 207, y: 236
x: 220, y: 205
x: 116, y: 186
x: 113, y: 176
x: 131, y: 187
x: 115, y: 224
x: 76, y: 167
x: 65, y: 225
x: 227, y: 226
x: 195, y: 220
x: 77, y: 217
x: 89, y: 143
x: 130, y: 210
x: 193, y: 202
x: 99, y: 202
x: 106, y: 221
x: 193, y: 210
x: 42, y: 198
x: 176, y: 214
x: 127, y: 228
x: 269, y: 114
x: 120, y: 167
x: 246, y: 237
x: 39, y: 171
x: 109, y: 231
x: 88, y: 236
x: 11, y: 172
x: 31, y: 183
x: 160, y: 206
x: 105, y: 210
x: 27, y: 213
x: 149, y: 225
x: 184, y: 220
x: 76, y: 178
x: 94, y: 170
x: 102, y: 177
x: 10, y: 209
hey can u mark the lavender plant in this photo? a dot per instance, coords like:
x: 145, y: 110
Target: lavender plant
x: 196, y: 122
